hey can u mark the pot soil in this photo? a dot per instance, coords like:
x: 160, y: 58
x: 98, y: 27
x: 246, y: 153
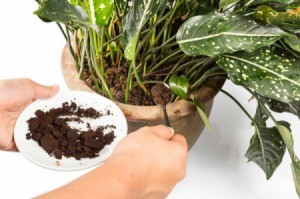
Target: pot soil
x: 183, y: 115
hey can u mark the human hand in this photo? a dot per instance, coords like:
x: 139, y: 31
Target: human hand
x: 146, y: 164
x: 15, y: 95
x: 156, y: 159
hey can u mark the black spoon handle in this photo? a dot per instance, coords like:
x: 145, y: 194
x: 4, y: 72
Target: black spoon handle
x: 166, y: 118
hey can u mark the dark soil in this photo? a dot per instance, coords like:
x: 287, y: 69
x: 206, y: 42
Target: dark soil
x: 52, y: 132
x: 161, y: 94
x: 116, y: 79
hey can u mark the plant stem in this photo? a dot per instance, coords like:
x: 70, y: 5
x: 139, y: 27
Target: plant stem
x: 183, y: 66
x: 235, y: 100
x: 174, y: 68
x: 208, y: 73
x: 71, y: 48
x: 141, y: 84
x: 195, y: 67
x: 83, y: 50
x: 98, y: 72
x: 117, y: 10
x: 262, y: 105
x: 128, y: 83
x: 162, y: 30
x: 126, y: 7
x: 92, y: 73
x: 101, y: 51
x: 112, y: 39
x: 163, y: 45
x: 204, y: 68
x: 146, y: 37
x: 288, y: 49
x: 94, y: 43
x: 62, y: 31
x: 165, y: 60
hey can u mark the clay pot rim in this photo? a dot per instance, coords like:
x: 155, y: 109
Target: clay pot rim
x: 176, y: 110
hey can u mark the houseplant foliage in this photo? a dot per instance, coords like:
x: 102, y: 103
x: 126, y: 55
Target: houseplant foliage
x: 123, y: 47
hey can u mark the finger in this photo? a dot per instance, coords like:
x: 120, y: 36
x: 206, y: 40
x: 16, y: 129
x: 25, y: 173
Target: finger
x: 163, y: 131
x: 180, y: 140
x: 11, y: 147
x: 44, y: 92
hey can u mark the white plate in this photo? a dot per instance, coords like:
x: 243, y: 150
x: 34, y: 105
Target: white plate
x: 30, y: 148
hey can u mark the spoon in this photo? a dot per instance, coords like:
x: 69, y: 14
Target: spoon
x: 161, y: 94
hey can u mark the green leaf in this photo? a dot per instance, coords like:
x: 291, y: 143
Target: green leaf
x: 260, y: 117
x: 270, y: 71
x: 201, y: 110
x: 280, y: 107
x: 224, y: 34
x: 180, y: 86
x: 224, y: 3
x: 73, y: 2
x: 191, y: 4
x: 99, y: 11
x: 259, y: 2
x: 130, y: 48
x: 293, y: 42
x: 133, y: 22
x: 114, y: 48
x: 77, y: 3
x: 289, y: 142
x: 266, y: 149
x: 289, y: 20
x: 63, y: 12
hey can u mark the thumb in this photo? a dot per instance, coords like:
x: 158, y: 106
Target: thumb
x: 44, y: 92
x: 163, y: 131
x: 179, y: 139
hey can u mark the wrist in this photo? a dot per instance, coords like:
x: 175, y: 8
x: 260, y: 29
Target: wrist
x: 124, y: 172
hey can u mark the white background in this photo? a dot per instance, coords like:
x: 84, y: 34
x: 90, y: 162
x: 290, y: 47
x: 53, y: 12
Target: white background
x: 216, y: 166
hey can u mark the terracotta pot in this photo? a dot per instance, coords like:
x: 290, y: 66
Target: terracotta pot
x: 183, y: 115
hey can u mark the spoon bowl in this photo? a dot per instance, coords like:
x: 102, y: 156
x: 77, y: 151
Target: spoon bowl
x: 161, y: 94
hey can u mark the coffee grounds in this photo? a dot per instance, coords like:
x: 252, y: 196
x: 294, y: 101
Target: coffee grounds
x: 161, y: 94
x: 53, y: 133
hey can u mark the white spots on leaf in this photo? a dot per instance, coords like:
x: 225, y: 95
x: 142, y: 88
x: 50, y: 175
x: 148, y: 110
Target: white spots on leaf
x: 102, y: 6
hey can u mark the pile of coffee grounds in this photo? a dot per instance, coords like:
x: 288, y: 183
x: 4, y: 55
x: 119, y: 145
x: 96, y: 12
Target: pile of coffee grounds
x: 161, y: 93
x: 53, y: 133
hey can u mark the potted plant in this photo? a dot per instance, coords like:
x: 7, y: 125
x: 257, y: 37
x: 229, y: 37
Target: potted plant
x: 122, y: 48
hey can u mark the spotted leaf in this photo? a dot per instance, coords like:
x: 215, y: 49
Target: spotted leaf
x: 266, y: 149
x: 280, y: 107
x: 288, y: 20
x: 259, y: 2
x: 77, y: 3
x: 99, y: 11
x: 215, y: 34
x: 224, y: 3
x: 63, y: 12
x: 293, y: 42
x: 260, y: 117
x: 289, y: 142
x: 130, y: 48
x: 269, y: 71
x: 140, y: 12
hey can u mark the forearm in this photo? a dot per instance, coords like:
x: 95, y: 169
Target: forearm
x: 112, y: 180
